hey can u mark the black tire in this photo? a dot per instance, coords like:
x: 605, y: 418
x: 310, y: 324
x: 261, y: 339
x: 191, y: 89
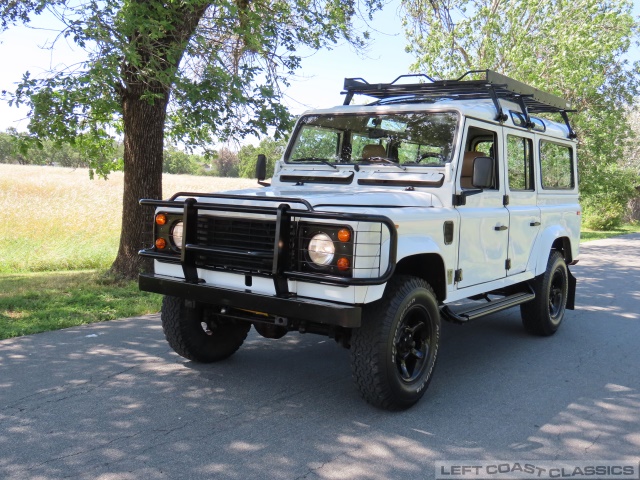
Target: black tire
x: 394, y: 352
x: 188, y: 338
x: 543, y: 315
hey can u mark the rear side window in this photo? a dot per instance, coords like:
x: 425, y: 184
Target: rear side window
x: 520, y: 162
x: 556, y: 166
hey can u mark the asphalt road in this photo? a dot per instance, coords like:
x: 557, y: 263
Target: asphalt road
x: 112, y: 401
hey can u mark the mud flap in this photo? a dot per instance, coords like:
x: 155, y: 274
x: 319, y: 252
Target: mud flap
x: 571, y: 294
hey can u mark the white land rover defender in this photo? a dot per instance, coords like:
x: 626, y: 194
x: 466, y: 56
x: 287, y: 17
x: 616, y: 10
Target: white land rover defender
x: 378, y: 218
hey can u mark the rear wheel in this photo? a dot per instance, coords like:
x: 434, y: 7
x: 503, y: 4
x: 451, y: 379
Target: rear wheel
x: 394, y: 352
x: 543, y: 315
x: 197, y: 336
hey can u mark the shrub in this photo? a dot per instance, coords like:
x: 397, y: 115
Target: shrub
x: 602, y: 213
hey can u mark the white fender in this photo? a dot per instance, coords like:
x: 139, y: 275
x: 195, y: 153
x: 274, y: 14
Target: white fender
x: 542, y: 247
x: 408, y: 245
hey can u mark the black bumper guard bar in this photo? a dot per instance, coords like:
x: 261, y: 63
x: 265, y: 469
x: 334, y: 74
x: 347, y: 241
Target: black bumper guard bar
x: 283, y: 214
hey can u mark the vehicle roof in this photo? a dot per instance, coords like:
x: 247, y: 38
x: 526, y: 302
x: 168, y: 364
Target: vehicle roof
x: 481, y: 109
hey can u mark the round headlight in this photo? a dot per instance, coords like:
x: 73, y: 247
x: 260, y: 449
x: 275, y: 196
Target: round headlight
x: 176, y: 234
x: 321, y: 249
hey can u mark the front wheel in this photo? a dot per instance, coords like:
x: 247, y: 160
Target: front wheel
x: 543, y: 315
x: 197, y: 337
x: 394, y: 352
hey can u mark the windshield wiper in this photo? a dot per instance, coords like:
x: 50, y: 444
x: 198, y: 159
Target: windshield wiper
x: 384, y: 160
x: 314, y: 160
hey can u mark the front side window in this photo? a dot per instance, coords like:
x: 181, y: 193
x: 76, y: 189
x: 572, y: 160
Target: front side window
x: 520, y: 162
x: 422, y: 139
x: 556, y: 166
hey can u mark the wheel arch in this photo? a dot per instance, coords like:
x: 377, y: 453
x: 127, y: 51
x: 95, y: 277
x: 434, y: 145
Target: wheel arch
x: 555, y: 238
x: 428, y: 266
x: 563, y: 245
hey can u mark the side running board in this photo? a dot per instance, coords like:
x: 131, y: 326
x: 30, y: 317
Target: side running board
x: 493, y: 306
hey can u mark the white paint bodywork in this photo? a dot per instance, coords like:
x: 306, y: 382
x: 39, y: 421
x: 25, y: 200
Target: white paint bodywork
x: 419, y: 213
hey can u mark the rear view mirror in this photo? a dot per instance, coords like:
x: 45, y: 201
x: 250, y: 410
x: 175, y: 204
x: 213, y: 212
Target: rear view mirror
x: 483, y: 172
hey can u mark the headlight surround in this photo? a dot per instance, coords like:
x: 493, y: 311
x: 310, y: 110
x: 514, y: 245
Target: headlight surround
x: 176, y: 234
x: 326, y: 248
x: 321, y: 249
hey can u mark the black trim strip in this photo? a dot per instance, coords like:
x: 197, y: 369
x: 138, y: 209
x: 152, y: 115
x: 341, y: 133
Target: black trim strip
x: 400, y: 183
x: 317, y: 179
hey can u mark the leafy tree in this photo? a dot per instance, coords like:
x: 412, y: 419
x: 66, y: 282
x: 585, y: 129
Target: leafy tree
x: 6, y: 148
x: 10, y: 147
x: 179, y: 162
x: 575, y: 49
x: 46, y: 152
x: 227, y: 163
x: 203, y: 70
x: 631, y: 157
x: 631, y: 161
x: 248, y: 155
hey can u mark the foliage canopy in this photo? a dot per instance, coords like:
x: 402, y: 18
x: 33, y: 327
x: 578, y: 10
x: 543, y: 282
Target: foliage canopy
x: 223, y: 62
x: 576, y: 49
x: 195, y: 71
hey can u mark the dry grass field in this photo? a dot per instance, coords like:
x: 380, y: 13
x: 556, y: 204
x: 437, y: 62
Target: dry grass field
x: 55, y: 219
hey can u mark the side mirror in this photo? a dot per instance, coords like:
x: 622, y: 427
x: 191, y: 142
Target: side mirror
x: 261, y: 168
x: 483, y: 172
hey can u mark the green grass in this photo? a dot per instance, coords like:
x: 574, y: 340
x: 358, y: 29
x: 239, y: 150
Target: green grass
x: 39, y: 302
x: 587, y: 235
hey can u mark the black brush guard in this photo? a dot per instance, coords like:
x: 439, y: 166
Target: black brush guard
x: 283, y: 303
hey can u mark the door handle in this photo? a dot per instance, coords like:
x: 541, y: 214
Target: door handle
x: 500, y: 228
x: 534, y: 224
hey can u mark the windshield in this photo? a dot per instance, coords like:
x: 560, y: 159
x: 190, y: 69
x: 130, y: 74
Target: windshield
x: 400, y: 138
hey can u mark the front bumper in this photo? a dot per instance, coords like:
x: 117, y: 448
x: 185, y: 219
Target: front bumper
x: 292, y: 306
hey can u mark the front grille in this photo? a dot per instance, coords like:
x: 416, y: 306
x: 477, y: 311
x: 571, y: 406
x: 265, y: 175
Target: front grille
x: 237, y: 237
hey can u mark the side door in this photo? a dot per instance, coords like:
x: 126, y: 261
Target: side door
x: 484, y: 220
x: 524, y: 213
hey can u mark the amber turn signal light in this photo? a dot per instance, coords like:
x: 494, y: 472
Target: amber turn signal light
x: 343, y: 263
x: 161, y: 219
x: 344, y: 235
x: 161, y: 243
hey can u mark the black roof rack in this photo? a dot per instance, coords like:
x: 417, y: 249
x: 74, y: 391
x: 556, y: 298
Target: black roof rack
x: 486, y: 85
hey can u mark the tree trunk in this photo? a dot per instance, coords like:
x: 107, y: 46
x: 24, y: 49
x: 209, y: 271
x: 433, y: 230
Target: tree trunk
x: 144, y: 129
x: 143, y: 146
x: 633, y: 209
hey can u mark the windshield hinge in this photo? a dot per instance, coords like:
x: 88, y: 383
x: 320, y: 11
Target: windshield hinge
x: 459, y: 199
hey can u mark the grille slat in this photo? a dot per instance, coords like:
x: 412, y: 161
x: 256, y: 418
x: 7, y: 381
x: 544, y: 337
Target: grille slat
x: 236, y: 237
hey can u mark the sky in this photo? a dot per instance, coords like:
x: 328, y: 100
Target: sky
x: 316, y: 85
